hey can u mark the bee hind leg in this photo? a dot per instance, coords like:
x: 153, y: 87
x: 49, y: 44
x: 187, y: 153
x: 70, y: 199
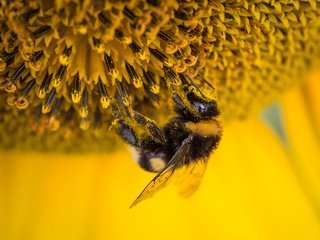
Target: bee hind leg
x: 123, y: 128
x: 151, y: 127
x: 126, y: 132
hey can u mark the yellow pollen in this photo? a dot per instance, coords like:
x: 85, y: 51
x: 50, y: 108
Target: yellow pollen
x: 105, y: 102
x: 46, y: 109
x: 56, y: 82
x: 64, y: 59
x: 155, y: 89
x: 41, y: 93
x: 84, y: 112
x: 75, y: 96
x: 137, y: 82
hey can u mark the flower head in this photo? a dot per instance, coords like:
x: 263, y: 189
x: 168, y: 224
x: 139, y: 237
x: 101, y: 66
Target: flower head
x: 63, y: 63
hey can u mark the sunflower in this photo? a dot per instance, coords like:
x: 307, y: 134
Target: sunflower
x: 63, y: 65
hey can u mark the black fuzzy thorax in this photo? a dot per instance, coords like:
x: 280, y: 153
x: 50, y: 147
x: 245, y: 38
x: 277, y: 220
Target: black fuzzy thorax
x: 200, y: 146
x: 175, y: 133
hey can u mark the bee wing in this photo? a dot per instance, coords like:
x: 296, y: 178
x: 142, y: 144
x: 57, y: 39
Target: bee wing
x: 162, y: 178
x: 190, y: 176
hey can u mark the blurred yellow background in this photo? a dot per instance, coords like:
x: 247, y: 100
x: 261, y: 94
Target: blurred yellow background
x: 255, y: 187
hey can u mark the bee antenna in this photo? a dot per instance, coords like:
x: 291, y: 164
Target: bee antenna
x: 184, y: 76
x: 205, y: 81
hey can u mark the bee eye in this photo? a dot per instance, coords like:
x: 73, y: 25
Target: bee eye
x: 199, y: 106
x: 206, y: 109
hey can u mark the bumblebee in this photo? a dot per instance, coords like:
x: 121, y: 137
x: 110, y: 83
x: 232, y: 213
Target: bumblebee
x: 180, y: 149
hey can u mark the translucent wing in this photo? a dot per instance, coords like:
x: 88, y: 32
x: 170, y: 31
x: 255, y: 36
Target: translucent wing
x: 190, y: 176
x: 162, y: 178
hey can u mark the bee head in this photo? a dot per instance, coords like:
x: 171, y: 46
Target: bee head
x: 200, y: 107
x: 207, y: 109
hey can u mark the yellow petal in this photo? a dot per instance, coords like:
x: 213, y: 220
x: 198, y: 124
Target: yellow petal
x: 304, y: 144
x: 250, y: 191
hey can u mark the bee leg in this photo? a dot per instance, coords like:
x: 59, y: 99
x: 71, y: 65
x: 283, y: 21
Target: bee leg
x: 126, y: 132
x: 120, y: 126
x: 120, y: 109
x: 151, y: 126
